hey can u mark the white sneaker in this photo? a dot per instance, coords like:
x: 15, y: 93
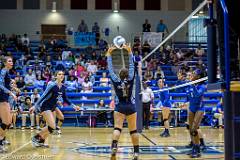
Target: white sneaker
x: 135, y: 156
x: 3, y: 149
x: 6, y: 142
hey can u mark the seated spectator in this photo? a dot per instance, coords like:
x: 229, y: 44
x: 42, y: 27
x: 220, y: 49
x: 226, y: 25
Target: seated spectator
x: 46, y: 74
x: 35, y: 96
x: 219, y: 114
x: 65, y: 54
x: 71, y: 57
x: 159, y: 74
x: 81, y: 78
x: 71, y: 84
x: 30, y: 78
x: 20, y: 82
x: 87, y: 86
x: 146, y: 47
x: 136, y: 46
x: 92, y: 68
x: 104, y: 116
x: 24, y: 110
x: 148, y: 75
x: 102, y: 44
x: 91, y: 78
x: 104, y: 80
x: 199, y: 51
x: 39, y: 83
x: 102, y: 63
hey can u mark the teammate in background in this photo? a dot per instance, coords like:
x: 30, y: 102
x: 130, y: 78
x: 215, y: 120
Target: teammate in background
x: 166, y: 106
x: 219, y: 114
x: 55, y: 93
x: 196, y: 111
x: 5, y: 92
x: 123, y: 86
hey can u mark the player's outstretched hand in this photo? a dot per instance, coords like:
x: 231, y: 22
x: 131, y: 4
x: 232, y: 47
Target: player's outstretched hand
x: 77, y: 108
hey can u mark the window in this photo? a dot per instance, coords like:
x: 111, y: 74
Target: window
x: 8, y: 4
x: 30, y: 4
x: 197, y: 31
x: 78, y: 4
x: 58, y: 2
x: 106, y: 5
x: 152, y: 4
x: 177, y: 5
x: 127, y: 4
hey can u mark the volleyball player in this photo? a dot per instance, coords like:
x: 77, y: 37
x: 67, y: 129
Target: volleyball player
x: 55, y: 93
x: 196, y: 110
x: 123, y: 86
x: 166, y: 106
x: 5, y: 92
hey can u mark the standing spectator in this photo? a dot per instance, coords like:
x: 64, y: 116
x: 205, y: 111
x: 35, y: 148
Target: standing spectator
x: 25, y: 40
x: 96, y: 30
x: 147, y: 99
x: 161, y: 27
x: 82, y: 27
x: 146, y: 26
x: 30, y: 78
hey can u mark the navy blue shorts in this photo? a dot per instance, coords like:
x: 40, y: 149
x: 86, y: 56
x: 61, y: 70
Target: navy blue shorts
x: 3, y: 96
x: 45, y: 108
x: 125, y: 108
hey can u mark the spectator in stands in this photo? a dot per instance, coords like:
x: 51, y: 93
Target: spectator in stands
x: 146, y: 47
x: 20, y: 82
x: 148, y: 75
x: 103, y: 116
x: 146, y: 26
x: 219, y: 113
x: 65, y: 54
x: 147, y: 101
x: 201, y: 66
x: 102, y: 63
x: 102, y: 44
x: 71, y: 57
x: 159, y: 74
x: 71, y: 84
x: 91, y: 78
x: 104, y: 80
x: 82, y: 27
x: 24, y: 110
x: 35, y: 96
x: 136, y: 46
x: 96, y: 30
x: 30, y: 78
x: 92, y: 68
x: 161, y: 27
x: 25, y: 40
x: 46, y: 74
x: 81, y: 78
x: 199, y: 51
x: 87, y: 86
x: 39, y: 83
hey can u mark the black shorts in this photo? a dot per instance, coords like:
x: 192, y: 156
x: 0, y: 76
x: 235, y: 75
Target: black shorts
x: 125, y: 108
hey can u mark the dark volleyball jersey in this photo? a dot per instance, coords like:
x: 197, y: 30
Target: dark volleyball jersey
x: 52, y: 95
x: 5, y: 85
x: 123, y: 88
x: 195, y: 97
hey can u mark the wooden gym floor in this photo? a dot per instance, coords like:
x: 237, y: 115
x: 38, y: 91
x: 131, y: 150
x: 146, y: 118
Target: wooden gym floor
x: 94, y: 144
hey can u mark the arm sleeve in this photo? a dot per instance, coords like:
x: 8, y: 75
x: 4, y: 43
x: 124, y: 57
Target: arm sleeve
x: 65, y: 99
x: 131, y: 67
x: 2, y: 76
x: 45, y: 94
x: 113, y: 76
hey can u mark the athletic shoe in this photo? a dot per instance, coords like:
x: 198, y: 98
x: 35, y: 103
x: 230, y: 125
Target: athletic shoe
x: 203, y: 147
x: 3, y: 149
x: 38, y: 128
x: 135, y: 156
x: 38, y: 143
x: 165, y: 134
x: 113, y: 154
x: 195, y: 152
x: 6, y: 142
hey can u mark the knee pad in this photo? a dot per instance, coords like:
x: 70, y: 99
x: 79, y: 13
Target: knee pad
x: 164, y: 120
x: 194, y: 133
x: 50, y: 129
x: 187, y: 126
x: 133, y: 132
x: 61, y: 120
x: 119, y: 129
x: 4, y: 126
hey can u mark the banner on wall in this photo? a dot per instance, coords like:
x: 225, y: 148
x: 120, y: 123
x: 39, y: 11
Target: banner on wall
x: 153, y: 38
x: 84, y: 38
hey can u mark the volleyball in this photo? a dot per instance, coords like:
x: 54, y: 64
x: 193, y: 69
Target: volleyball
x: 119, y: 41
